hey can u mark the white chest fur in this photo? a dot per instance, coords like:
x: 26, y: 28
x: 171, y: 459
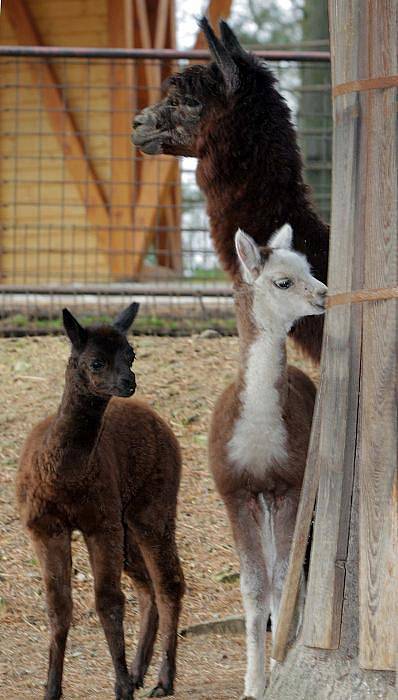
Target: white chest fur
x: 259, y: 436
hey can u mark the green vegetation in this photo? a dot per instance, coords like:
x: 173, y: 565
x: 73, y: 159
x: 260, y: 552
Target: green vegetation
x: 201, y: 274
x: 144, y: 325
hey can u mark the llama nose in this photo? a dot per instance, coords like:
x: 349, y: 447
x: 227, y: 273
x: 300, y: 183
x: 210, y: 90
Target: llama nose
x: 144, y: 118
x: 128, y: 386
x: 138, y: 121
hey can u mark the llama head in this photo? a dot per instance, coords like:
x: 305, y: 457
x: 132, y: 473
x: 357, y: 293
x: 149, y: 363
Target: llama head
x: 283, y: 285
x: 173, y: 125
x: 102, y: 355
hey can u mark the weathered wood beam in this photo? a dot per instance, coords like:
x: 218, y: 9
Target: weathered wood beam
x: 356, y: 407
x: 377, y: 458
x: 298, y: 550
x: 338, y: 397
x: 358, y: 398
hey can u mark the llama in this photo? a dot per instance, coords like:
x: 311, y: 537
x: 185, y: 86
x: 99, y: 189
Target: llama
x: 109, y: 467
x: 260, y: 432
x: 230, y: 116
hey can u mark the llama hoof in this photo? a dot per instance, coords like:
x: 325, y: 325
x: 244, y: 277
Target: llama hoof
x: 258, y: 695
x: 137, y: 681
x: 53, y: 694
x: 125, y: 691
x: 160, y: 692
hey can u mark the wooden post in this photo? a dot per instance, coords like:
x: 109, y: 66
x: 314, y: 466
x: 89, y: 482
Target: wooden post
x: 364, y: 149
x: 378, y: 446
x: 349, y: 641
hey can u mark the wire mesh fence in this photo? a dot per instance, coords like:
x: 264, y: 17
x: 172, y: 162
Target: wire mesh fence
x: 86, y: 220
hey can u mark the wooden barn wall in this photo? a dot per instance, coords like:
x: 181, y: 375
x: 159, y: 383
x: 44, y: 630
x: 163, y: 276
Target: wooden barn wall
x: 40, y: 205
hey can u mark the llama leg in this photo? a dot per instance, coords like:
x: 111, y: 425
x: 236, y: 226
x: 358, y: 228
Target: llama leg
x: 54, y: 554
x: 106, y: 557
x: 149, y: 618
x: 160, y: 554
x: 283, y: 516
x: 247, y: 522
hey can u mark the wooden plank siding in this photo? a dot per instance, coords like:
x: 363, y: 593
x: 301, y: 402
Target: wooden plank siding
x: 31, y: 152
x: 69, y: 169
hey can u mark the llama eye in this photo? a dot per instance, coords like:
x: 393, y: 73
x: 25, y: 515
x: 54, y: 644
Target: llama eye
x: 283, y: 284
x: 96, y: 365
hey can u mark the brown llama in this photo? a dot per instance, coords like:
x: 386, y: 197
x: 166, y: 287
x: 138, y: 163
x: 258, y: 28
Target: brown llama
x: 109, y: 467
x: 230, y: 116
x: 260, y: 432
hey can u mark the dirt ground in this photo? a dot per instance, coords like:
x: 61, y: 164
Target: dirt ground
x: 181, y: 378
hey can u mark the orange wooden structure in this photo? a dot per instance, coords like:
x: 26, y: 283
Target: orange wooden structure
x: 120, y: 204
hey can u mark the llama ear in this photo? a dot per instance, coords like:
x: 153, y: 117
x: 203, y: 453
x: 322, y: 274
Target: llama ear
x: 249, y: 255
x: 75, y: 332
x: 221, y: 56
x: 282, y: 238
x: 230, y: 40
x: 126, y: 318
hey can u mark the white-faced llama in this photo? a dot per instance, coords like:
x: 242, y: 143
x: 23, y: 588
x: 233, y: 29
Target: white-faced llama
x: 230, y: 116
x: 260, y: 432
x: 109, y: 467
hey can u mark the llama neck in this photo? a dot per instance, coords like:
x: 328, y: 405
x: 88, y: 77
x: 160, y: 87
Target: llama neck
x: 244, y: 191
x: 264, y: 363
x: 75, y: 430
x: 247, y: 329
x: 259, y: 436
x: 233, y: 209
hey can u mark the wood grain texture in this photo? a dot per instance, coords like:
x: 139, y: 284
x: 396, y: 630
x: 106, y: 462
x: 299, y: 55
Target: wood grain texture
x: 378, y: 294
x: 377, y: 458
x: 298, y: 550
x: 338, y: 404
x: 338, y: 400
x: 361, y: 345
